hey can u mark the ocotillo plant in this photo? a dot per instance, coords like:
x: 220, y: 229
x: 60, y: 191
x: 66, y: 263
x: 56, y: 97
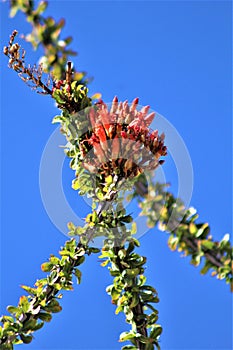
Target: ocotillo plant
x: 109, y: 148
x: 100, y: 141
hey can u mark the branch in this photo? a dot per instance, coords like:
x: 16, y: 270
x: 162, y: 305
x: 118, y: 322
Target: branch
x: 131, y: 295
x: 46, y: 32
x: 186, y: 235
x: 33, y: 310
x: 38, y: 307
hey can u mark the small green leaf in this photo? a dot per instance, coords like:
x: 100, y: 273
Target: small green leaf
x: 207, y: 244
x: 134, y: 301
x: 127, y: 336
x: 24, y: 303
x: 105, y: 263
x: 12, y: 309
x: 30, y: 290
x: 156, y: 331
x: 45, y: 316
x: 203, y: 230
x: 53, y: 306
x: 192, y: 228
x: 122, y: 254
x: 38, y: 326
x: 132, y: 272
x: 76, y: 184
x: 78, y: 274
x: 119, y: 309
x: 46, y: 267
x: 126, y: 219
x: 41, y: 7
x: 26, y: 338
x: 93, y: 250
x: 29, y: 325
x: 134, y: 228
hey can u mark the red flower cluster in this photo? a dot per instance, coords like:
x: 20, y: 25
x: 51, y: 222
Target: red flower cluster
x: 120, y: 141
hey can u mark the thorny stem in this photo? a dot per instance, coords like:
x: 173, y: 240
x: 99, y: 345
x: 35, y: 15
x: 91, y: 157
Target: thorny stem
x: 137, y: 310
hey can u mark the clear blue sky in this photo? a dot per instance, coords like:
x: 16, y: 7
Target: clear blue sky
x: 175, y: 56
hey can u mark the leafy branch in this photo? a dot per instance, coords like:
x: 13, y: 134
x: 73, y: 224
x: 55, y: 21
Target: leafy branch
x: 132, y: 296
x: 36, y: 308
x: 46, y: 32
x: 217, y: 256
x: 99, y: 143
x: 186, y: 234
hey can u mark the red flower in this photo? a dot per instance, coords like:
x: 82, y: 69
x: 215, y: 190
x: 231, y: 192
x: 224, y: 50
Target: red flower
x: 119, y: 140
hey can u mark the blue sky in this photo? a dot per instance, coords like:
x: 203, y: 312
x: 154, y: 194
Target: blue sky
x: 176, y: 57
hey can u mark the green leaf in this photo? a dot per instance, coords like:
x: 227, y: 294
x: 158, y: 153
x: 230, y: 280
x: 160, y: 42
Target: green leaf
x: 134, y: 301
x: 136, y: 242
x: 30, y: 290
x: 134, y: 228
x: 45, y: 316
x: 38, y: 326
x: 132, y: 272
x: 119, y: 309
x: 59, y: 97
x: 141, y: 280
x: 78, y: 274
x: 46, y: 267
x: 13, y: 11
x: 126, y: 219
x: 41, y: 7
x: 53, y: 306
x: 12, y: 309
x: 58, y: 119
x: 54, y: 260
x: 206, y: 268
x: 80, y: 260
x: 29, y: 325
x: 24, y: 303
x: 203, y: 230
x: 192, y: 228
x: 122, y: 254
x: 207, y: 244
x: 76, y: 184
x: 93, y: 250
x: 127, y: 336
x: 115, y: 294
x: 156, y: 331
x: 26, y: 338
x: 71, y: 226
x: 105, y: 263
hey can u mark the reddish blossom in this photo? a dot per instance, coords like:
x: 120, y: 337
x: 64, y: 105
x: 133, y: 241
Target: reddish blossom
x: 120, y: 140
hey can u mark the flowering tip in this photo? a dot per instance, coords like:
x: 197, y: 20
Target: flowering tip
x: 162, y: 136
x: 125, y: 104
x: 149, y: 118
x: 114, y: 105
x: 134, y: 104
x: 145, y: 110
x: 120, y: 106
